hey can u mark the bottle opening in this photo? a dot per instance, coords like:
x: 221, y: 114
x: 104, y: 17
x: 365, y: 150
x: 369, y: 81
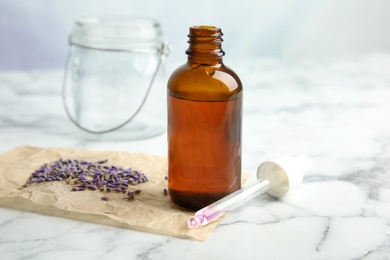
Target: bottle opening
x: 205, y: 40
x: 206, y: 27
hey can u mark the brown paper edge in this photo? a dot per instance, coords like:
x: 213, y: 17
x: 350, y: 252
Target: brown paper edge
x: 16, y: 202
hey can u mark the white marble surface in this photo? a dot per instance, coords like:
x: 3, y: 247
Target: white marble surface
x: 337, y: 111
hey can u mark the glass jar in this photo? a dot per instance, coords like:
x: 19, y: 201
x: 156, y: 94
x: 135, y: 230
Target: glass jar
x: 114, y: 85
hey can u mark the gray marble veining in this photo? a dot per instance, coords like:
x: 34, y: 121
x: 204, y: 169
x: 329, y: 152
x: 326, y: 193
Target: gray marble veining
x: 336, y: 111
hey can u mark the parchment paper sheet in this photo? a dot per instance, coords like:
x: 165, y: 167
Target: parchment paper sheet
x: 150, y: 211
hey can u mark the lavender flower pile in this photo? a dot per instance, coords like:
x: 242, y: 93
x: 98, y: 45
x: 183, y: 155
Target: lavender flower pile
x: 84, y: 175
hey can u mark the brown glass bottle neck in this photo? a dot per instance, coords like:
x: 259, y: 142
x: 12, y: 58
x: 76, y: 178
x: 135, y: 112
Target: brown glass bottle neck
x: 205, y: 45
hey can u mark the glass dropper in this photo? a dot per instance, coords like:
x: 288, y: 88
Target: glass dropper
x: 275, y: 177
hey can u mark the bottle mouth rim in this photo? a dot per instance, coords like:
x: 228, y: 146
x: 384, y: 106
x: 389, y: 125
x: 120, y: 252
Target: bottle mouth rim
x: 116, y: 32
x: 206, y: 27
x: 205, y: 41
x: 205, y: 30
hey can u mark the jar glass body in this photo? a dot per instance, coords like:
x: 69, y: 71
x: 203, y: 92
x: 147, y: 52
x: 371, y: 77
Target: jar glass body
x: 204, y: 132
x: 115, y: 72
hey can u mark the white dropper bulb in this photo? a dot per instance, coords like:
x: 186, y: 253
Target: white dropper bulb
x: 286, y: 173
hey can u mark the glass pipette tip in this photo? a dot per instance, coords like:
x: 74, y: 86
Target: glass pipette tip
x: 275, y: 177
x: 221, y: 207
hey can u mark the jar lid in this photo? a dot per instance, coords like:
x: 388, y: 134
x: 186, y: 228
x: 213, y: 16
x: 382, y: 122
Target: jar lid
x: 126, y: 33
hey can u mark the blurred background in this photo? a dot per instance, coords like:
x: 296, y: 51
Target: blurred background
x: 34, y: 34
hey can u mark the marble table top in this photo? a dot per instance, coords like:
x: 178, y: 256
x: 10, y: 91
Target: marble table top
x: 337, y: 111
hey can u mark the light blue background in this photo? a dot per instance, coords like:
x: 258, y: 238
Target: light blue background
x: 33, y: 33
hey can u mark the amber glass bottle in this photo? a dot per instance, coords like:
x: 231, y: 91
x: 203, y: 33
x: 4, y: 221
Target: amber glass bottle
x: 204, y: 124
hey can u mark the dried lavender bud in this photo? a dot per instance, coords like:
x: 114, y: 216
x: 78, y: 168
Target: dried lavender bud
x: 166, y: 177
x: 88, y: 175
x: 165, y: 192
x: 91, y: 187
x: 130, y: 196
x: 105, y: 198
x: 102, y: 161
x: 78, y: 188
